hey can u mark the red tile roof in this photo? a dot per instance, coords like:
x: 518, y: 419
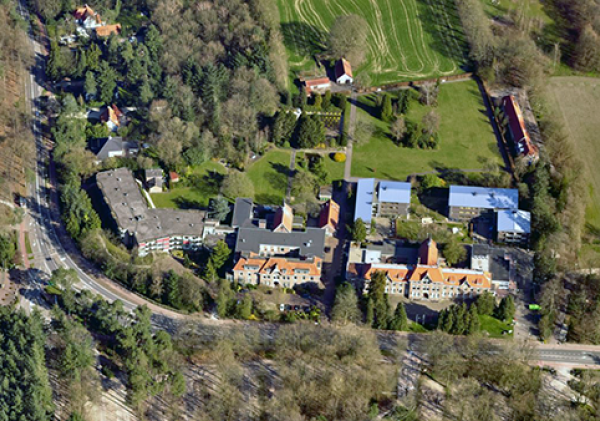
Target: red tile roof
x: 106, y: 30
x: 284, y: 219
x: 428, y: 253
x: 330, y: 215
x: 342, y: 67
x: 517, y: 125
x: 83, y: 12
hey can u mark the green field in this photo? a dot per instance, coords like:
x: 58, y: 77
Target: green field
x: 577, y: 99
x: 269, y: 174
x: 407, y: 39
x: 203, y: 184
x: 467, y: 139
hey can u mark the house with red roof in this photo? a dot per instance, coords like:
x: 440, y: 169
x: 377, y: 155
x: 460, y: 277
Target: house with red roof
x: 86, y: 17
x: 343, y: 72
x: 329, y: 218
x: 518, y: 132
x: 318, y: 85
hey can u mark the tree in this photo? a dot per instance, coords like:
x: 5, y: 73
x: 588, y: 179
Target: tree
x: 429, y: 92
x: 381, y: 306
x: 326, y: 100
x: 399, y: 320
x: 386, y: 112
x: 473, y: 320
x: 430, y: 181
x: 398, y: 129
x: 304, y: 186
x: 219, y: 208
x: 506, y: 309
x: 486, y: 303
x: 56, y: 63
x: 348, y: 38
x: 75, y: 416
x: 454, y: 252
x: 283, y: 127
x: 237, y: 184
x: 219, y: 254
x: 359, y: 231
x: 311, y: 131
x: 318, y: 101
x: 223, y: 296
x: 107, y: 82
x: 431, y: 122
x: 345, y: 307
x: 369, y: 312
x: 8, y: 250
x: 244, y: 308
x: 91, y: 88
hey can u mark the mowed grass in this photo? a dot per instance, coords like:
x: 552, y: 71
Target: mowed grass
x: 199, y: 192
x: 407, y: 39
x: 269, y: 174
x: 577, y: 99
x: 494, y: 327
x: 467, y: 139
x: 533, y: 9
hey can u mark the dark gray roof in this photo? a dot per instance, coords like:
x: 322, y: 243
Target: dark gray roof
x: 153, y: 172
x: 131, y: 212
x: 242, y: 212
x: 310, y: 242
x: 105, y: 146
x: 499, y: 264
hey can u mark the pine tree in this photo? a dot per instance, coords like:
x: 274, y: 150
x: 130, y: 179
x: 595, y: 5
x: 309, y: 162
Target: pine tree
x: 318, y: 101
x: 220, y: 254
x: 359, y: 231
x: 146, y: 94
x: 56, y: 63
x: 81, y: 66
x: 326, y: 100
x: 223, y: 297
x: 369, y: 312
x: 506, y: 309
x: 345, y: 307
x: 244, y: 308
x: 283, y: 128
x: 107, y: 82
x: 448, y: 325
x: 399, y: 321
x: 473, y: 320
x: 386, y: 111
x: 485, y: 303
x: 91, y: 88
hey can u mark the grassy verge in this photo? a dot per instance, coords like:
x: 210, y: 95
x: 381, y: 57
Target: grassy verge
x: 494, y: 327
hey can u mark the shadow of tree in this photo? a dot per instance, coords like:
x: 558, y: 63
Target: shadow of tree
x: 304, y: 39
x: 440, y: 19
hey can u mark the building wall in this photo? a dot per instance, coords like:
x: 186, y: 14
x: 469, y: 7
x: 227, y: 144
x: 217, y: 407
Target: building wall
x: 512, y: 238
x: 271, y: 280
x: 166, y: 244
x: 344, y: 79
x: 393, y: 209
x: 458, y: 213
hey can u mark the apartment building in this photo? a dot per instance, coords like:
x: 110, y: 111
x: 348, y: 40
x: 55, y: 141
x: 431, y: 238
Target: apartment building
x: 468, y: 202
x: 383, y: 198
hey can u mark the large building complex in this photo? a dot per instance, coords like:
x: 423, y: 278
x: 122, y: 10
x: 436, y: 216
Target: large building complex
x: 147, y: 229
x: 424, y: 280
x: 469, y: 202
x: 381, y: 198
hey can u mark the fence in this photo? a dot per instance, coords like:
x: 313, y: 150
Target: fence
x: 392, y: 86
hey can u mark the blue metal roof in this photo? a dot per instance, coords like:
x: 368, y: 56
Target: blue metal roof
x: 365, y: 191
x: 516, y: 221
x: 394, y: 192
x: 483, y: 197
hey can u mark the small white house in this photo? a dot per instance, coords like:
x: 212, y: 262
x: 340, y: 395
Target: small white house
x: 343, y: 72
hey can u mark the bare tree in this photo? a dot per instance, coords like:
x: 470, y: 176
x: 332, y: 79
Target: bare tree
x: 398, y: 129
x: 348, y: 38
x: 429, y: 93
x: 431, y: 122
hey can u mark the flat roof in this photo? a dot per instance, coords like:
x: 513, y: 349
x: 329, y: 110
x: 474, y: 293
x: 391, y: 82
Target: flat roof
x: 483, y: 197
x: 514, y: 220
x: 129, y: 208
x: 310, y: 242
x: 394, y: 192
x: 365, y: 195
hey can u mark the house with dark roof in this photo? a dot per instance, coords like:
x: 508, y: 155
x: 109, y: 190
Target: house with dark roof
x: 343, y: 72
x: 498, y: 262
x: 243, y: 213
x: 381, y: 199
x: 154, y: 180
x: 150, y: 230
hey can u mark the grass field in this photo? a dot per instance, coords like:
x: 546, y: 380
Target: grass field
x: 578, y: 100
x: 467, y: 139
x: 494, y: 326
x: 407, y: 39
x: 269, y: 174
x: 198, y: 194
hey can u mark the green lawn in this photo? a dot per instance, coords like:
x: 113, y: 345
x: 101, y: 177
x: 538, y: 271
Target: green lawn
x: 532, y: 9
x: 201, y: 185
x: 269, y: 174
x: 336, y: 169
x: 467, y: 139
x: 407, y: 39
x: 494, y: 326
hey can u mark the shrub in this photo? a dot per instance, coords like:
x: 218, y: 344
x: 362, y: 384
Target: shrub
x: 339, y: 157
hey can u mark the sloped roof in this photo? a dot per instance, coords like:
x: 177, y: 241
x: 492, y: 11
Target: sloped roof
x: 330, y: 215
x: 365, y: 194
x: 517, y: 126
x: 106, y: 30
x: 311, y: 267
x: 284, y: 217
x: 483, y: 197
x: 394, y: 192
x: 342, y: 67
x: 108, y: 145
x: 517, y: 221
x: 83, y: 12
x: 309, y: 243
x: 242, y: 212
x: 428, y: 253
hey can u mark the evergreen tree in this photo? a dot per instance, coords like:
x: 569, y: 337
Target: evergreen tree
x: 92, y: 56
x: 459, y: 319
x: 55, y: 65
x: 223, y: 297
x: 448, y: 321
x: 380, y: 301
x: 441, y: 321
x: 345, y: 307
x: 318, y: 101
x: 219, y: 208
x: 386, y: 111
x: 472, y: 320
x: 90, y: 87
x: 171, y: 293
x: 399, y: 320
x: 107, y: 82
x: 326, y: 100
x: 311, y: 132
x: 369, y: 312
x: 244, y: 308
x: 219, y: 255
x: 146, y: 94
x: 283, y: 127
x: 81, y: 64
x: 485, y: 304
x: 506, y: 309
